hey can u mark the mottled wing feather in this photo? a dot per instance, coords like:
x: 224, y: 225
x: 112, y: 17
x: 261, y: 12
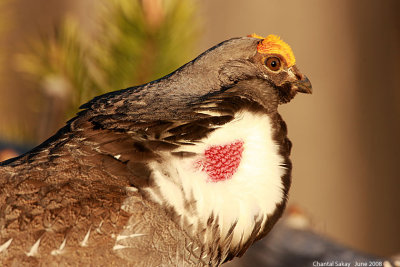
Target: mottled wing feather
x: 67, y: 196
x: 47, y: 201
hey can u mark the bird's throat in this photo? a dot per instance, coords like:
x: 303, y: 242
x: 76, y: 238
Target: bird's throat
x: 220, y: 162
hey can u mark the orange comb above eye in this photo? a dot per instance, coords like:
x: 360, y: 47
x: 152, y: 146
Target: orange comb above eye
x: 272, y: 44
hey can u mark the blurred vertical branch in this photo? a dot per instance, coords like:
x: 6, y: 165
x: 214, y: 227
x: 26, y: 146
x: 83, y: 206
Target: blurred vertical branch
x: 133, y: 42
x: 6, y: 26
x: 4, y: 23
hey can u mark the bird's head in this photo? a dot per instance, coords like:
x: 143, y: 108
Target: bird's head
x: 276, y: 60
x: 261, y: 69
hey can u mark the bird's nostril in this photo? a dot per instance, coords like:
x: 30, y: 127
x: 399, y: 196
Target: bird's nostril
x: 299, y: 76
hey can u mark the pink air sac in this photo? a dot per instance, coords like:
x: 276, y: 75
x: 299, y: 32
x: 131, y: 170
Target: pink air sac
x: 221, y: 162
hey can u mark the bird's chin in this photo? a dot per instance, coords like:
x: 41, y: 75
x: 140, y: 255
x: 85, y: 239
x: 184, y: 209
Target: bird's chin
x: 286, y: 93
x: 286, y: 99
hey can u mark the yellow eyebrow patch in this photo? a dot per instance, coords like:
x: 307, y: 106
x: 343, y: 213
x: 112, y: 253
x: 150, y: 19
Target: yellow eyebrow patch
x: 272, y: 44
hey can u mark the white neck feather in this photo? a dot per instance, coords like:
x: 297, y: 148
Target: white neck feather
x: 253, y: 191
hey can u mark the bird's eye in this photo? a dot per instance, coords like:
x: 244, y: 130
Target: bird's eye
x: 273, y: 63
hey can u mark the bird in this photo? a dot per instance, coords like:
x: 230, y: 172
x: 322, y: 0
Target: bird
x: 187, y: 170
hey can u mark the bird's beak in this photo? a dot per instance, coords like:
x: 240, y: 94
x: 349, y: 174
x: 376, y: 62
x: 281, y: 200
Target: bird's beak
x: 303, y: 86
x: 300, y: 83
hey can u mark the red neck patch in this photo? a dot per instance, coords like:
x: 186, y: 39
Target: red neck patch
x: 221, y: 162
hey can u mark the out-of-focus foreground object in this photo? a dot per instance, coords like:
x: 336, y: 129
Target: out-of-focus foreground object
x: 294, y: 243
x: 7, y: 154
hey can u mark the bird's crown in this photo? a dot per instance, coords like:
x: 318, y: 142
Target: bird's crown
x: 272, y: 44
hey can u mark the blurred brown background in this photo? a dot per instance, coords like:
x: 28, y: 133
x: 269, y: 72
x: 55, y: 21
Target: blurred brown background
x: 345, y: 135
